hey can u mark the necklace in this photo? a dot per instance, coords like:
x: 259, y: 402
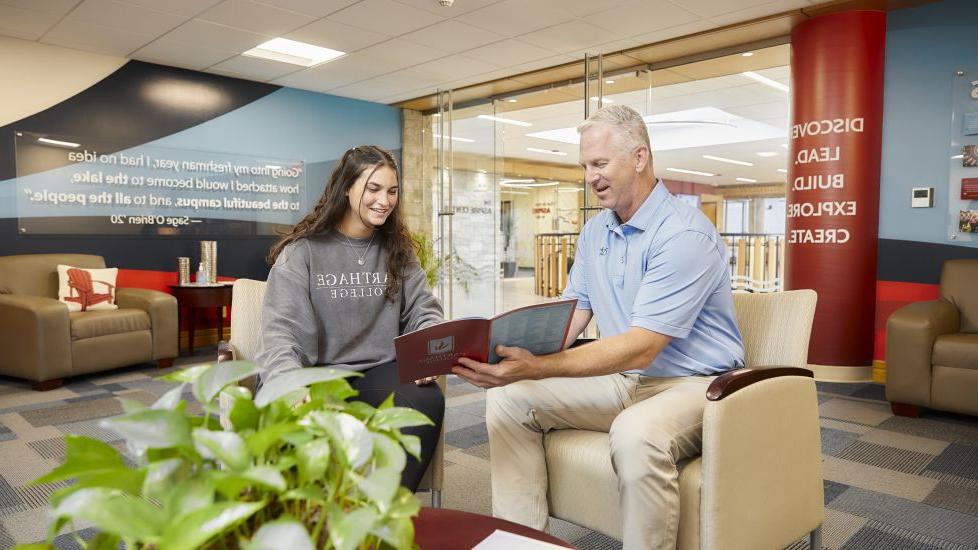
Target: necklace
x: 361, y: 258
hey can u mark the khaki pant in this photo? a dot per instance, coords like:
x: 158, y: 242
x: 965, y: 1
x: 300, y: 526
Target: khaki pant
x: 652, y: 423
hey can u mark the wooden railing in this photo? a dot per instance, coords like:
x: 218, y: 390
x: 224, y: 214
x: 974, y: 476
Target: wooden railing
x: 756, y: 261
x: 553, y: 254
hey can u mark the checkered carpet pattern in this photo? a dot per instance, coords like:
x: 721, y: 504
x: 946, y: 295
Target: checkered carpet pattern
x: 890, y: 482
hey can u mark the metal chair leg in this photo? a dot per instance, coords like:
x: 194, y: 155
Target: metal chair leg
x: 815, y: 539
x: 435, y: 498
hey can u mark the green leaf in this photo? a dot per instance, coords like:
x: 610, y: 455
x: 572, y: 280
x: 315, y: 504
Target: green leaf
x: 380, y: 487
x: 152, y: 429
x: 296, y: 380
x: 163, y: 475
x: 189, y: 496
x: 189, y: 374
x: 232, y: 484
x: 284, y: 533
x: 103, y: 541
x: 333, y: 391
x: 399, y: 417
x: 388, y: 453
x: 214, y: 379
x: 268, y: 476
x: 35, y: 546
x: 260, y: 441
x: 131, y: 405
x: 312, y: 458
x: 169, y: 400
x: 84, y: 455
x: 411, y: 443
x: 244, y: 414
x: 404, y: 505
x: 311, y: 493
x: 397, y: 532
x: 227, y: 447
x: 111, y: 511
x: 199, y: 526
x: 347, y: 530
x: 348, y: 434
x: 359, y: 409
x: 388, y: 403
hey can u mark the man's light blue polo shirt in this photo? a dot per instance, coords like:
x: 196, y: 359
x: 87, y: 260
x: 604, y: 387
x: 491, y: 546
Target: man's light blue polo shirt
x: 664, y: 270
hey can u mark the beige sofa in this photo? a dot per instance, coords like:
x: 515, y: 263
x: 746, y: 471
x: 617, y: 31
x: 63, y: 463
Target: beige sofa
x: 758, y: 483
x: 932, y: 347
x: 246, y: 306
x: 42, y: 342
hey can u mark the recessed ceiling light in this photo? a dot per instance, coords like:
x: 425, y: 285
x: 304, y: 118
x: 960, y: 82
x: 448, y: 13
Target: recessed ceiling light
x: 455, y: 138
x: 746, y: 180
x: 569, y: 190
x: 296, y: 53
x: 767, y: 154
x: 505, y: 181
x: 529, y: 185
x: 58, y: 142
x: 511, y: 100
x: 609, y: 81
x: 505, y: 120
x: 731, y: 161
x: 483, y: 171
x: 782, y: 170
x: 603, y: 99
x: 547, y: 151
x: 765, y: 80
x: 694, y: 172
x: 748, y: 54
x: 511, y: 192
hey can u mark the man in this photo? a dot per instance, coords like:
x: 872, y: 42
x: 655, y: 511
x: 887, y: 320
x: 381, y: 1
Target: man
x: 653, y: 273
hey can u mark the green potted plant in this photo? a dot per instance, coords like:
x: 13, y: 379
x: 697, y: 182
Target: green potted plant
x: 297, y: 466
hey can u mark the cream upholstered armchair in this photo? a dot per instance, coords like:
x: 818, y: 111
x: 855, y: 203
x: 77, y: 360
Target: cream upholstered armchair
x: 758, y: 482
x: 246, y: 308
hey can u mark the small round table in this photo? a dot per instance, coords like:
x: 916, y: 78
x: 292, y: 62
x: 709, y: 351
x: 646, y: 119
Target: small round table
x: 443, y: 529
x: 197, y: 296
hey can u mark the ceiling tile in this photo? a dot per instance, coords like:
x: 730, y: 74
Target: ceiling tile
x: 674, y: 32
x: 255, y: 17
x: 398, y: 54
x: 385, y: 16
x: 180, y: 54
x: 711, y: 8
x: 56, y: 7
x: 346, y: 70
x: 570, y: 36
x: 642, y: 16
x: 94, y: 38
x: 452, y: 36
x: 215, y: 37
x: 317, y: 8
x: 515, y: 17
x: 381, y: 86
x: 26, y: 24
x: 120, y: 15
x: 458, y: 8
x: 606, y: 47
x: 758, y: 11
x: 337, y: 36
x: 449, y: 68
x: 509, y: 52
x: 182, y: 8
x: 584, y: 8
x: 253, y: 68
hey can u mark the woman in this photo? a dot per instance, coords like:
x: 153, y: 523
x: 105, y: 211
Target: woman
x: 344, y: 283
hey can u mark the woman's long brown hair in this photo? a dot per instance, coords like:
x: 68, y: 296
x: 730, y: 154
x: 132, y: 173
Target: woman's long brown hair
x: 333, y: 205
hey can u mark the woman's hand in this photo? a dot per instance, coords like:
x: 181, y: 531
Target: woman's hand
x: 426, y: 380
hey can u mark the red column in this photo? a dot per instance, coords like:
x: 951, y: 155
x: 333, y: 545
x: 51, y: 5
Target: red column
x: 833, y: 178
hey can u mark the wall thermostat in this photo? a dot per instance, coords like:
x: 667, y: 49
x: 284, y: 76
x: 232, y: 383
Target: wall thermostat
x: 923, y: 197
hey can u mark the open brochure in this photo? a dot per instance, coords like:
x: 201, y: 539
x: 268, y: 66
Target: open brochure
x: 540, y: 328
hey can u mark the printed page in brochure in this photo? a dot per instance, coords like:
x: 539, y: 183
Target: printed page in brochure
x: 434, y: 350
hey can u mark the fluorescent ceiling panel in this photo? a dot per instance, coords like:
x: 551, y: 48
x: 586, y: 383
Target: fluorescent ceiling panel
x: 700, y: 127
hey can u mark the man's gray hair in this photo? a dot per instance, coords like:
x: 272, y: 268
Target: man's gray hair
x: 629, y: 126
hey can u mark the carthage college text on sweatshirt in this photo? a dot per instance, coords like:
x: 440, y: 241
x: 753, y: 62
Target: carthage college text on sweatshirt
x: 323, y: 308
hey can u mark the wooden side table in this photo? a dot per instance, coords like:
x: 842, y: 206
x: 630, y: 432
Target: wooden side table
x: 194, y: 296
x: 444, y: 529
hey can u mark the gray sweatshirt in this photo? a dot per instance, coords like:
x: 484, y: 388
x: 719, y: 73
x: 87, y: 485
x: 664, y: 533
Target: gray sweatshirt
x: 323, y: 308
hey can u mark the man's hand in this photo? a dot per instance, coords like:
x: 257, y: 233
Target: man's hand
x: 517, y: 364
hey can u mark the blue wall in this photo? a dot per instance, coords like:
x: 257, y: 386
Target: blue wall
x: 924, y: 47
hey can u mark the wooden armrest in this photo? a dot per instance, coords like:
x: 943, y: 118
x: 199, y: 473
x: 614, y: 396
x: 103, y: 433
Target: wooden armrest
x: 730, y: 382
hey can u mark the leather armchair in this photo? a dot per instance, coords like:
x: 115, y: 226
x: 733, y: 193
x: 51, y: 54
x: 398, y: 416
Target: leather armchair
x: 247, y: 299
x: 932, y: 347
x: 758, y: 482
x: 41, y: 341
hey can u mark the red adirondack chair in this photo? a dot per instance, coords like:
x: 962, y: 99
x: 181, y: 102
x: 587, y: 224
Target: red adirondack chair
x: 80, y: 282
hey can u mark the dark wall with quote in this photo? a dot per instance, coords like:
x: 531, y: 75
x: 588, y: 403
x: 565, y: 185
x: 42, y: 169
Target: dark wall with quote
x: 170, y: 109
